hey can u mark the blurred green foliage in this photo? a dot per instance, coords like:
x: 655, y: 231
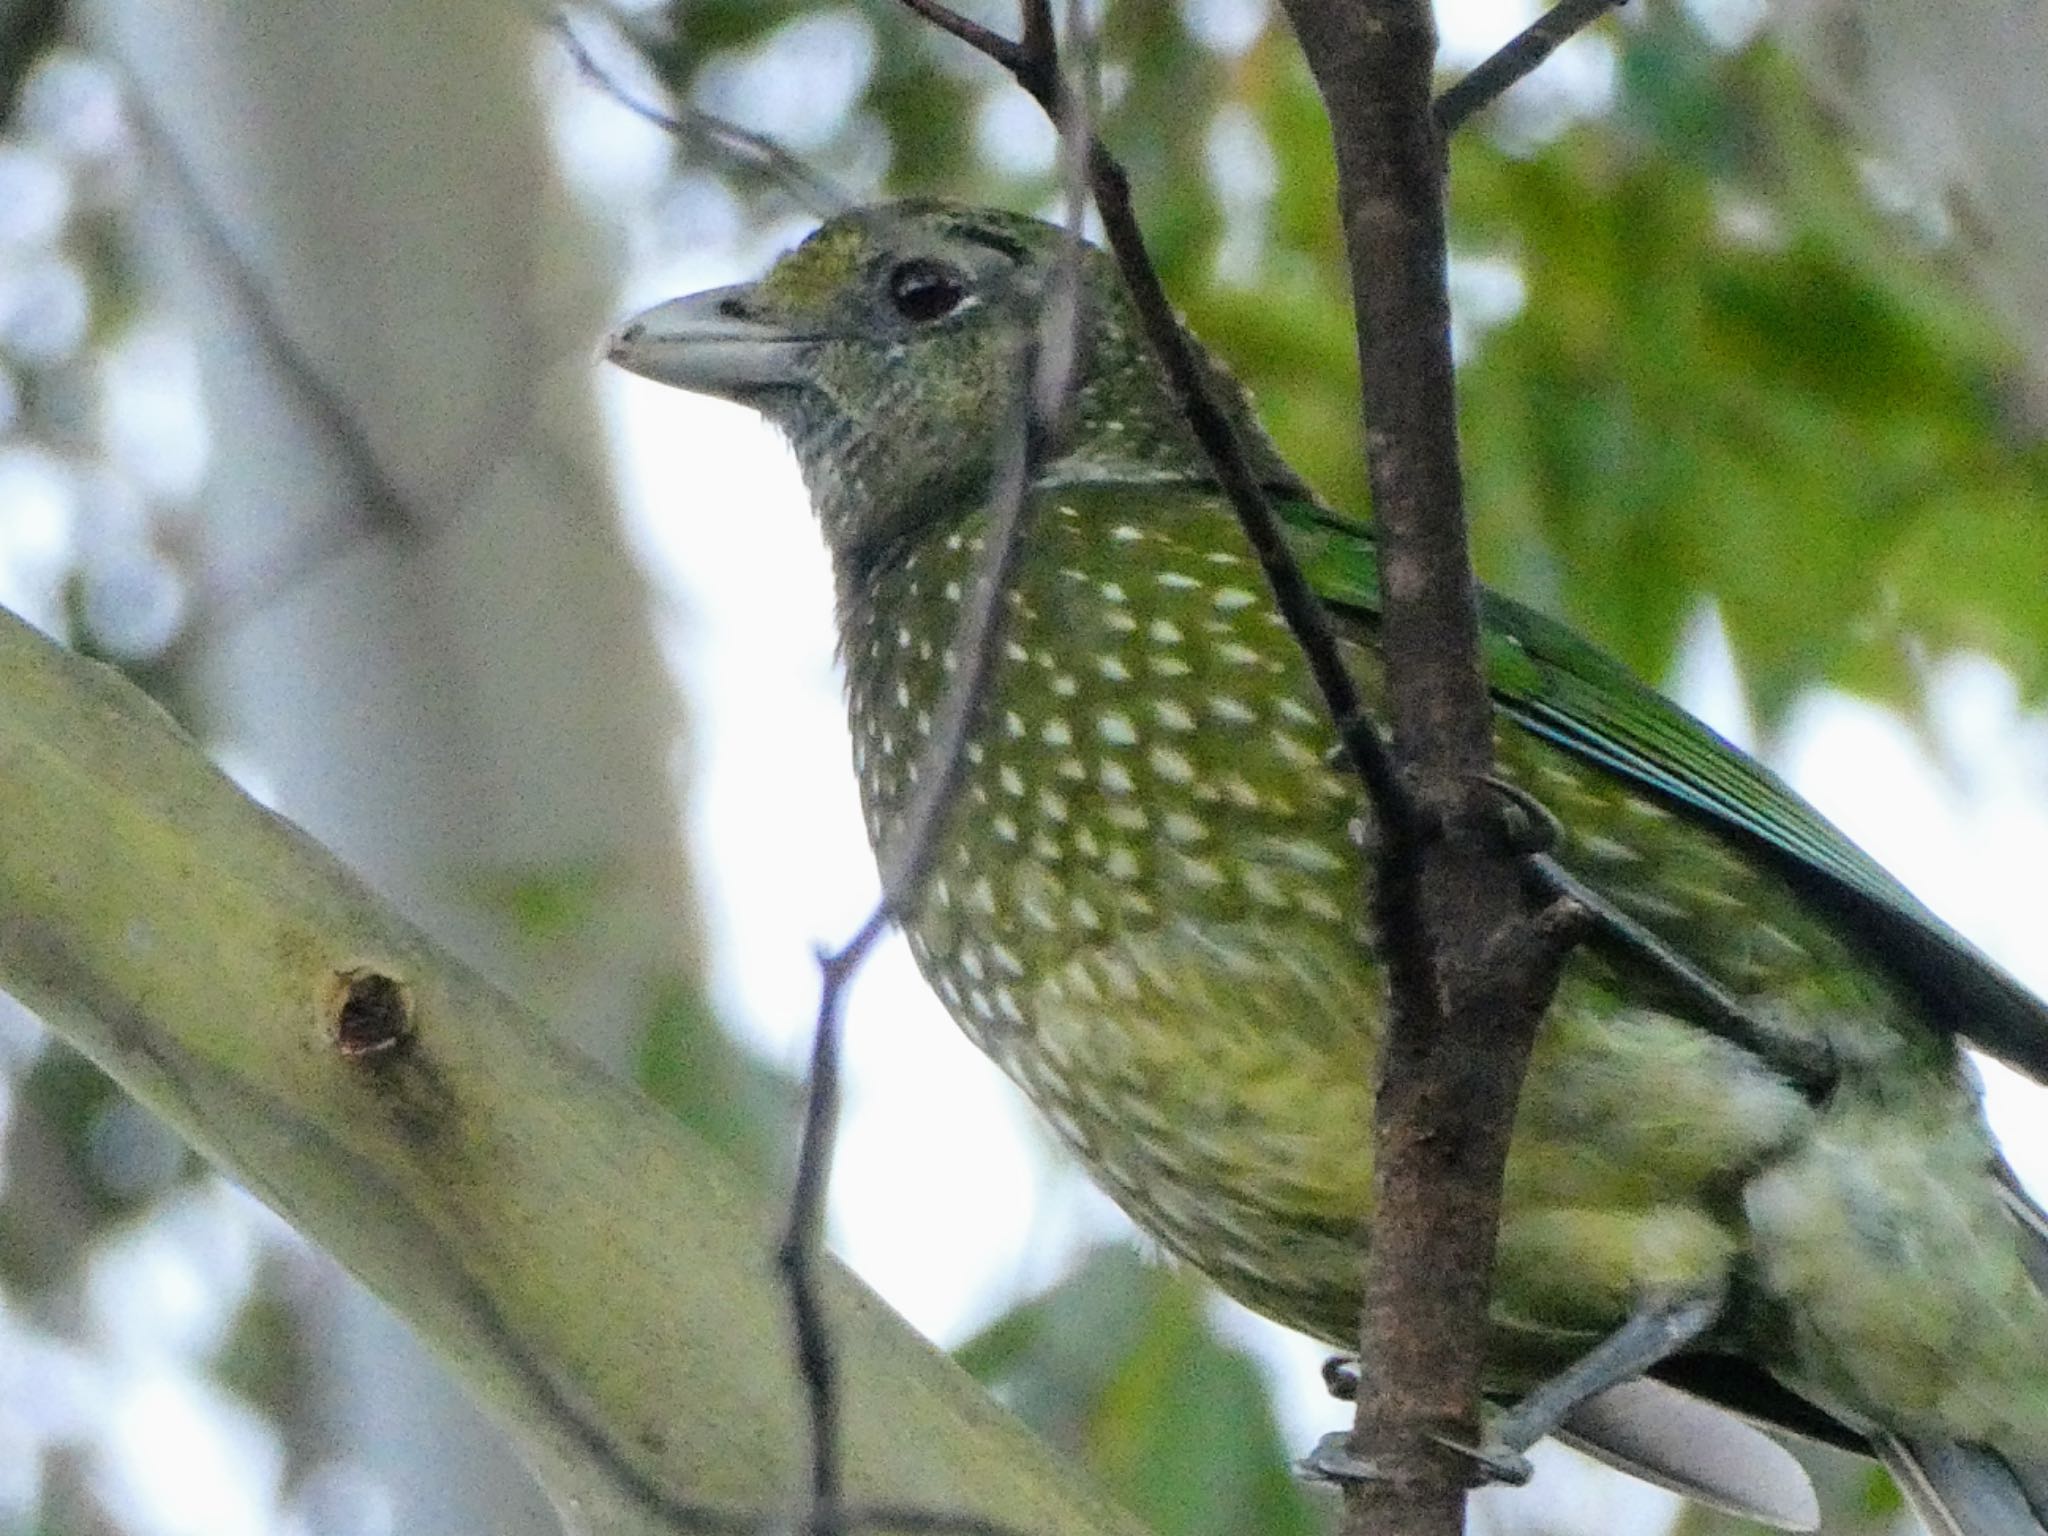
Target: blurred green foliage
x: 1118, y: 1364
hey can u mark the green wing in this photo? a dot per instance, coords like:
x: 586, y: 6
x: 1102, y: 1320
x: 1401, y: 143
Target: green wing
x: 1553, y: 683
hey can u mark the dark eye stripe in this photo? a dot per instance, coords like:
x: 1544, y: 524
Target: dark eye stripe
x: 982, y: 235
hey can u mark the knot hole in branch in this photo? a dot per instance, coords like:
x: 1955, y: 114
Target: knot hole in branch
x: 368, y: 1012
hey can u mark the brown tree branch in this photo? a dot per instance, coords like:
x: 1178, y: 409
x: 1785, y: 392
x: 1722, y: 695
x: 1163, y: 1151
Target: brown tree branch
x: 1471, y: 976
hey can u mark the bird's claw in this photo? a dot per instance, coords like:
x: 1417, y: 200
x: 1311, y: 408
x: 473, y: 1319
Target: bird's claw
x: 1333, y: 1461
x: 1493, y: 1461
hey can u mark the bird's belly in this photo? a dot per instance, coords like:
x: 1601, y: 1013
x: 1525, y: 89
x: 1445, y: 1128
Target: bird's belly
x: 1217, y: 1082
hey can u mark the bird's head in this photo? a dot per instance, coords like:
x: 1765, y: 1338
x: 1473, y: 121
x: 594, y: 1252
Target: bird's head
x: 890, y: 346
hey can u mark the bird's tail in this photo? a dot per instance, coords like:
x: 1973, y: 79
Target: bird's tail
x: 1967, y: 1490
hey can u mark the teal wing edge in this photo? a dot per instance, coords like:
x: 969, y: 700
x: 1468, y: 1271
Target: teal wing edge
x: 1558, y: 686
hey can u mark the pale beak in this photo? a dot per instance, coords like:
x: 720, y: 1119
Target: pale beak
x: 712, y: 343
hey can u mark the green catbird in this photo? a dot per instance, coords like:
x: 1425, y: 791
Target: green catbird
x: 1150, y: 907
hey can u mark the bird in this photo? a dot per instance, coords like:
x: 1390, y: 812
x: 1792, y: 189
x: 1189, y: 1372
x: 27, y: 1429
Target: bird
x: 1750, y: 1183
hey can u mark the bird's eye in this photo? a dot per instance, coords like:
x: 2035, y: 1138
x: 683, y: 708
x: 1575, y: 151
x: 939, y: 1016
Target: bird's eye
x: 923, y: 290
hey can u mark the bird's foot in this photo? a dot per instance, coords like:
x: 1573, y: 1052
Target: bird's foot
x: 1493, y: 1461
x: 1333, y: 1461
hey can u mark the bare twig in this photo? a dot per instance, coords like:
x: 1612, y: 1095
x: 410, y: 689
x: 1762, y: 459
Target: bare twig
x: 709, y: 133
x: 1518, y: 58
x: 1048, y: 381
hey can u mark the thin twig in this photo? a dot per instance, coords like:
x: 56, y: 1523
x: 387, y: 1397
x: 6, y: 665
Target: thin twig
x: 710, y: 133
x: 1046, y: 392
x: 992, y: 45
x: 1529, y: 48
x: 799, y: 1252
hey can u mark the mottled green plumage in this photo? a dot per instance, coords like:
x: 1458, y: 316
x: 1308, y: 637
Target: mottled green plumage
x: 1150, y: 903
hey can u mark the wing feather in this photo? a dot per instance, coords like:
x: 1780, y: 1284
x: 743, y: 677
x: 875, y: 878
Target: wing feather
x: 1553, y: 683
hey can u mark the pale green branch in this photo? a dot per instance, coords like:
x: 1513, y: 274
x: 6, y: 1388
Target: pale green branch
x: 595, y: 1275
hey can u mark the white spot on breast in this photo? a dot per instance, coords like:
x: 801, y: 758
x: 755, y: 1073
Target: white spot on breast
x: 1113, y: 668
x: 1296, y: 711
x: 1293, y: 750
x: 1174, y: 716
x: 1065, y: 686
x: 1114, y: 777
x: 1230, y: 599
x: 1239, y: 792
x: 1306, y: 854
x: 1127, y: 818
x: 1011, y: 780
x: 1165, y: 632
x: 1124, y: 533
x: 1121, y: 864
x: 1056, y: 733
x: 1003, y: 827
x: 1172, y: 766
x: 1260, y: 885
x: 1239, y: 654
x: 1111, y: 592
x: 1231, y: 711
x: 1316, y: 904
x: 1117, y: 730
x: 1052, y: 806
x: 1179, y: 581
x: 1183, y: 828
